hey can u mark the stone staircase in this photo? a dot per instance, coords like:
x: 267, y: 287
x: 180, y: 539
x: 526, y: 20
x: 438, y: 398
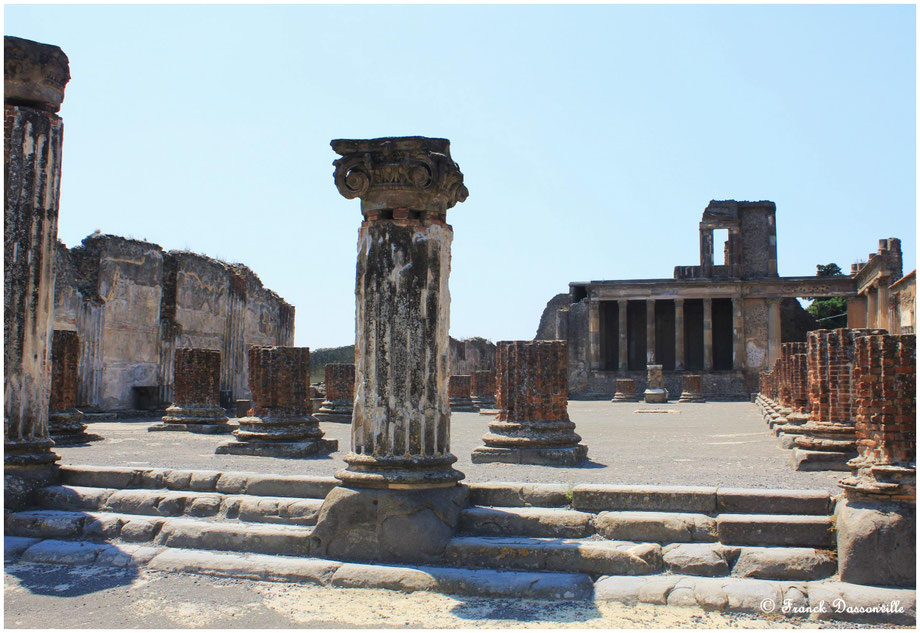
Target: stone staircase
x: 595, y: 530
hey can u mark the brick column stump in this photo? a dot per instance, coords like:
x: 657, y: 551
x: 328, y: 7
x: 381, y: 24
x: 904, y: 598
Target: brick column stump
x: 626, y: 391
x: 65, y: 421
x: 338, y: 405
x: 34, y: 78
x: 399, y: 499
x: 692, y: 389
x: 876, y: 521
x: 196, y: 394
x: 482, y: 389
x: 654, y: 390
x: 532, y: 425
x: 458, y: 390
x: 280, y: 423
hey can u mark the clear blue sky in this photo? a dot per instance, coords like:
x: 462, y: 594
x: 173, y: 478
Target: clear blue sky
x: 591, y: 137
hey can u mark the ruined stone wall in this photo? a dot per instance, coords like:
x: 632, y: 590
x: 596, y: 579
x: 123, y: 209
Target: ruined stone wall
x: 133, y: 304
x: 758, y: 239
x: 471, y: 354
x: 831, y: 359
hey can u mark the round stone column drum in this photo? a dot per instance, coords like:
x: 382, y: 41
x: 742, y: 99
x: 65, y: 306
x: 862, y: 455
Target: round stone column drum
x: 692, y: 389
x: 482, y: 388
x: 280, y: 423
x: 458, y: 390
x: 626, y: 391
x: 340, y: 393
x: 532, y: 425
x: 196, y: 394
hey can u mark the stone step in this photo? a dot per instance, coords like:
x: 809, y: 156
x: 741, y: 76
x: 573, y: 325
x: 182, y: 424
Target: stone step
x: 172, y: 503
x: 626, y: 558
x: 169, y: 532
x: 776, y: 530
x: 657, y: 527
x: 532, y: 522
x: 257, y: 484
x: 520, y: 495
x: 700, y: 500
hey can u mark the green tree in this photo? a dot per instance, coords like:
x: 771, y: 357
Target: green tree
x: 831, y: 312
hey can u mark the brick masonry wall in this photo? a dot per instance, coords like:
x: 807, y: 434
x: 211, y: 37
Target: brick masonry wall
x: 279, y: 379
x: 830, y: 365
x: 482, y: 383
x: 65, y: 356
x: 886, y: 402
x: 340, y: 381
x: 459, y: 387
x: 532, y: 380
x: 797, y: 376
x: 197, y: 377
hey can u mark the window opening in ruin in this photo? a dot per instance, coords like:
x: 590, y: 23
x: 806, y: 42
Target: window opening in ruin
x: 693, y: 333
x: 665, y: 339
x: 720, y: 255
x: 579, y: 293
x: 636, y: 334
x: 722, y: 334
x: 609, y: 335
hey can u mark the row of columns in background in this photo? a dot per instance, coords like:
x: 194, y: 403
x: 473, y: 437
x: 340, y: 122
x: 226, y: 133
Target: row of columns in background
x: 594, y: 331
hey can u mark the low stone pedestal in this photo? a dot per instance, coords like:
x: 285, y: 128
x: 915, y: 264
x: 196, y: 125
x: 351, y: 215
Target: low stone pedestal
x: 482, y: 389
x: 655, y: 391
x: 692, y: 389
x: 67, y: 428
x: 196, y: 394
x: 280, y: 424
x: 458, y: 391
x: 338, y: 405
x: 824, y: 446
x: 626, y: 391
x: 532, y: 425
x: 242, y: 408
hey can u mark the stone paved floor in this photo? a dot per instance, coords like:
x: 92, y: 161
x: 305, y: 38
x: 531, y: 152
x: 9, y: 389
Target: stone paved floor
x: 717, y: 443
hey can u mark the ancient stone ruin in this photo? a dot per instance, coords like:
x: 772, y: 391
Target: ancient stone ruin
x: 532, y: 425
x: 280, y: 423
x: 33, y: 82
x: 692, y: 389
x: 625, y: 391
x: 196, y: 405
x: 482, y: 388
x: 399, y: 498
x: 133, y: 304
x: 65, y: 421
x: 340, y: 393
x: 459, y: 393
x: 654, y: 386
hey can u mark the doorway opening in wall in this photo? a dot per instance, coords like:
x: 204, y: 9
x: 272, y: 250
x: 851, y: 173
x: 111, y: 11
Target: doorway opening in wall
x: 720, y: 247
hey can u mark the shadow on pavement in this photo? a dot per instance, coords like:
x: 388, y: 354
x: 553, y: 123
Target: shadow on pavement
x: 523, y: 610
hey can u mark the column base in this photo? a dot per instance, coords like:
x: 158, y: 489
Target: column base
x: 543, y: 456
x: 876, y: 543
x: 27, y: 467
x: 462, y: 405
x: 310, y: 448
x: 193, y: 419
x: 392, y: 472
x: 619, y: 397
x: 483, y: 402
x: 387, y: 525
x: 820, y: 460
x: 656, y: 395
x: 691, y: 397
x: 67, y: 429
x: 335, y: 411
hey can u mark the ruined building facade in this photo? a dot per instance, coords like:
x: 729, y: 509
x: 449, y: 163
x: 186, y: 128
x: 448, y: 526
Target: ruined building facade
x: 133, y: 304
x: 723, y: 319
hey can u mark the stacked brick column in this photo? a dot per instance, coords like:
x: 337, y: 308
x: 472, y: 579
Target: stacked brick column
x: 280, y: 423
x: 692, y: 389
x: 876, y: 521
x: 340, y: 393
x: 828, y: 440
x: 459, y: 390
x: 482, y: 388
x: 196, y: 394
x: 532, y: 425
x: 65, y: 422
x: 34, y: 79
x: 626, y: 390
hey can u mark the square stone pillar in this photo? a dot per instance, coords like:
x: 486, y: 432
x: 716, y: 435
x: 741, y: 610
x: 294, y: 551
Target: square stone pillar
x: 34, y: 79
x: 649, y: 331
x: 872, y: 306
x: 680, y: 350
x: 623, y: 333
x: 881, y: 304
x: 399, y: 499
x: 707, y: 334
x: 338, y: 405
x: 280, y: 423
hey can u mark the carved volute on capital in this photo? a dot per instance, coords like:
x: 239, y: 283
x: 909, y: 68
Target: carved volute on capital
x: 410, y: 174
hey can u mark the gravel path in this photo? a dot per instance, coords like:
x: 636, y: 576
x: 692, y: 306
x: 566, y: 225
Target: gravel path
x: 711, y: 444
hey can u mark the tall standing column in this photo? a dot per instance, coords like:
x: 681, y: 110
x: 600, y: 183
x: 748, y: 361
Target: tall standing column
x: 34, y: 79
x: 707, y: 334
x: 872, y: 306
x: 737, y: 333
x: 399, y: 498
x: 622, y: 306
x: 649, y: 332
x: 774, y: 331
x: 881, y: 304
x: 680, y: 353
x: 594, y: 335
